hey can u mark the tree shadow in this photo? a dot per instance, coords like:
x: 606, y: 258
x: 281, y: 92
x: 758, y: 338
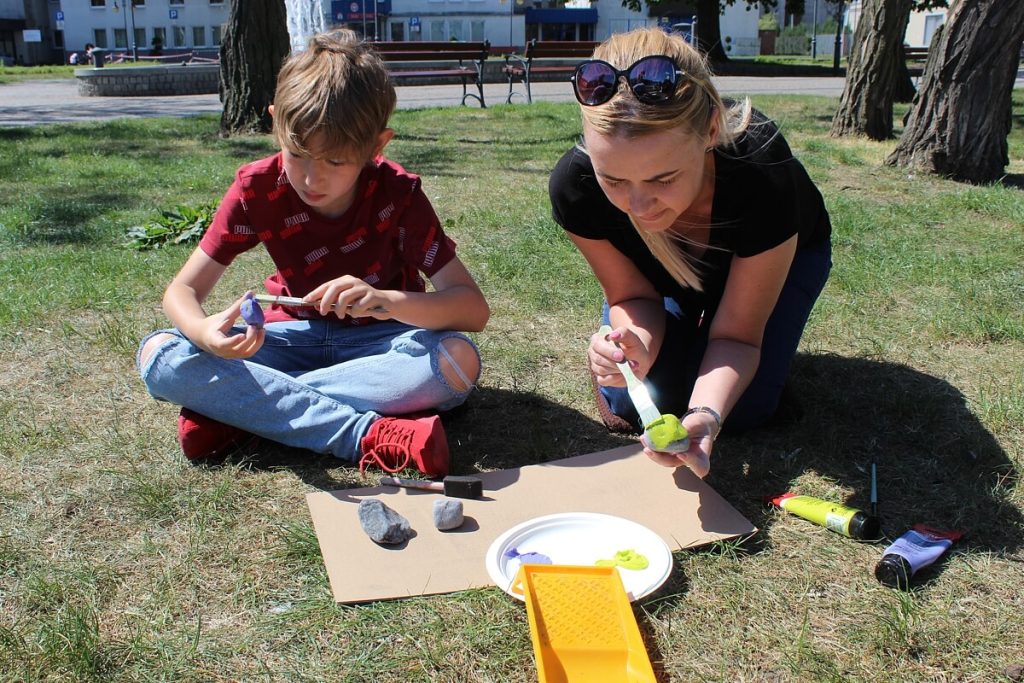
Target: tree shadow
x: 936, y: 463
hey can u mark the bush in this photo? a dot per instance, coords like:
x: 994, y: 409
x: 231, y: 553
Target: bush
x: 768, y: 23
x: 180, y: 225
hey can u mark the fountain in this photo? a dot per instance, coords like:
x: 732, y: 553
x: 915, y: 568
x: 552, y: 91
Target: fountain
x: 305, y: 17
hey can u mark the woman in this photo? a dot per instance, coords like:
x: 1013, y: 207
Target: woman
x: 709, y: 239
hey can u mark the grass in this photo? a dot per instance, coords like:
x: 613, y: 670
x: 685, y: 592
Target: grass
x: 120, y: 562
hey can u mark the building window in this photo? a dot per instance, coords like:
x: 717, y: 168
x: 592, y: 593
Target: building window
x: 98, y: 3
x: 455, y: 29
x: 99, y: 37
x: 140, y: 37
x: 215, y: 36
x: 120, y: 38
x: 476, y: 30
x: 179, y: 36
x: 159, y: 36
x: 437, y: 30
x: 176, y: 2
x: 198, y: 36
x: 216, y: 2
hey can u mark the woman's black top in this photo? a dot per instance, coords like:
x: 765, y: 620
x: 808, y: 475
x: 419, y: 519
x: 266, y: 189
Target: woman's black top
x: 763, y: 196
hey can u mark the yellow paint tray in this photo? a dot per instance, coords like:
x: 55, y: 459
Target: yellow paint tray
x: 582, y: 625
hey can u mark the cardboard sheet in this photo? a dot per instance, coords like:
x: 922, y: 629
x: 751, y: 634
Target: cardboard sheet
x: 675, y: 504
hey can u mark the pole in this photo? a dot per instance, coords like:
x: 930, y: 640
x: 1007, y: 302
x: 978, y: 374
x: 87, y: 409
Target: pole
x: 839, y: 37
x: 814, y: 33
x: 124, y: 15
x: 135, y: 45
x: 364, y: 19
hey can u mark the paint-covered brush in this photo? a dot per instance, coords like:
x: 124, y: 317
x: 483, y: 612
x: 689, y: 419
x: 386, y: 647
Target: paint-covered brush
x: 454, y: 487
x: 663, y: 432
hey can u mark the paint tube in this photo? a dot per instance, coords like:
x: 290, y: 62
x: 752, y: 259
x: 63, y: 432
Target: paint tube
x: 833, y: 516
x: 914, y: 550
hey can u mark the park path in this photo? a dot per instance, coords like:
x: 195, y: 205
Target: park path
x: 29, y: 103
x: 57, y: 101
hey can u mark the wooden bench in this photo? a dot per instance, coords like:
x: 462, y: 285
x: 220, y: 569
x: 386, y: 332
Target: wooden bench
x: 552, y: 55
x: 468, y: 67
x: 915, y: 54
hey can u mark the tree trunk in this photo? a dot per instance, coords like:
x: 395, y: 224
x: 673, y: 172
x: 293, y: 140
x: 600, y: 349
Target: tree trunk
x: 709, y: 31
x: 961, y: 115
x: 254, y: 46
x: 866, y: 105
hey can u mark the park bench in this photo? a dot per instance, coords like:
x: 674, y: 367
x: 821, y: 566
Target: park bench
x: 551, y: 57
x: 432, y: 60
x: 915, y: 54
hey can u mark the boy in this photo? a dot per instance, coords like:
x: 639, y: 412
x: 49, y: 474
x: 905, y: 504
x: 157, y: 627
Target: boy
x: 350, y: 232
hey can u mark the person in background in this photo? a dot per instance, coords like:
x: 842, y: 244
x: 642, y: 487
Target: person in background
x: 709, y: 239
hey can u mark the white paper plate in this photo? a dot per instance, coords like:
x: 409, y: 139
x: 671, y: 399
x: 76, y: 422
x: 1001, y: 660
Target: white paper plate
x: 581, y: 538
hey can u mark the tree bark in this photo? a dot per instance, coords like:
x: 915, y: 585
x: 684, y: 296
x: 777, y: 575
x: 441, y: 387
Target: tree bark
x: 865, y: 107
x: 961, y: 116
x: 254, y: 46
x: 709, y: 30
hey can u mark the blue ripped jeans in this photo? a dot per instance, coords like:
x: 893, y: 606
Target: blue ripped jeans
x: 313, y: 384
x: 677, y: 366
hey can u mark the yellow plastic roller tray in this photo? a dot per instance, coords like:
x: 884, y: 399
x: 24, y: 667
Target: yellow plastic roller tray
x: 582, y: 625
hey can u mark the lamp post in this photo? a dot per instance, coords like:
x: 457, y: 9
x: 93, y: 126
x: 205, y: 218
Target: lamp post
x: 124, y: 16
x: 814, y: 33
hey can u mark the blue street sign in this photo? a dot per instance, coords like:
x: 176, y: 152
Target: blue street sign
x: 60, y: 16
x: 174, y: 14
x: 414, y: 22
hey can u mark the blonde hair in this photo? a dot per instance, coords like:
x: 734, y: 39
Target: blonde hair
x: 338, y: 87
x: 690, y: 110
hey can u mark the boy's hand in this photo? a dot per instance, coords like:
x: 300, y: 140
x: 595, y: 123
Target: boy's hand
x: 348, y: 295
x: 214, y: 335
x: 618, y: 346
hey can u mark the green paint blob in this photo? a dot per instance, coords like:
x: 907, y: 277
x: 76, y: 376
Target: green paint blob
x: 627, y: 559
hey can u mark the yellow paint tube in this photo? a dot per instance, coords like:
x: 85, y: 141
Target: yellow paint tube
x: 833, y: 516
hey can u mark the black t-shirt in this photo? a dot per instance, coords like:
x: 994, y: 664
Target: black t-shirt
x: 763, y: 196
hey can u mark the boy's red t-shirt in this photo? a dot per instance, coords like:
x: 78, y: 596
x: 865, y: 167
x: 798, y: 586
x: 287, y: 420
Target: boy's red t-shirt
x: 387, y: 238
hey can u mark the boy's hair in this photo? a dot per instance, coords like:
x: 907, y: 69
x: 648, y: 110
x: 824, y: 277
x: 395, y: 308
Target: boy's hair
x: 337, y: 87
x: 690, y: 111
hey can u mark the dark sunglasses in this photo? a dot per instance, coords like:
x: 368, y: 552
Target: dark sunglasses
x: 652, y: 79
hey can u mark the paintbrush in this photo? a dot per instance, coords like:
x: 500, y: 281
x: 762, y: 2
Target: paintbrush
x: 454, y: 487
x: 296, y: 302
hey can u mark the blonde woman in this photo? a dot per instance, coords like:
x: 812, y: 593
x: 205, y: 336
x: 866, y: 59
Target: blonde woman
x: 709, y: 239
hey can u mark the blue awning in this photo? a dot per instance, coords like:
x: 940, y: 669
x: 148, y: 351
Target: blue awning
x: 561, y: 16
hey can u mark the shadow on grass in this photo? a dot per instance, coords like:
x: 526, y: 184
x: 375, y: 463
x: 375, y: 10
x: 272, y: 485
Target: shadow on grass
x: 937, y: 464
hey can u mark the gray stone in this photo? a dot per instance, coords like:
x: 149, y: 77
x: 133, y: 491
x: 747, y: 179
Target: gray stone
x: 383, y: 524
x: 448, y: 514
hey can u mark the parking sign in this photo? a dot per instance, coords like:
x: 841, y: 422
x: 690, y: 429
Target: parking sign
x: 174, y: 14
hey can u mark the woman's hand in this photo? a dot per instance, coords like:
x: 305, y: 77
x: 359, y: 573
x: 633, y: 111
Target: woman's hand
x: 702, y: 429
x: 348, y: 295
x: 213, y: 335
x: 621, y: 345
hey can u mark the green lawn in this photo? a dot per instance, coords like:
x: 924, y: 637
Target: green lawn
x: 121, y: 562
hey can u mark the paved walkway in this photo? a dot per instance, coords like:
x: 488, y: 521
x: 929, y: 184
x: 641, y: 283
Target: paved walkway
x: 57, y: 101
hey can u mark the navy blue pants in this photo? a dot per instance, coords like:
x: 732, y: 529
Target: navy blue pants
x: 674, y: 373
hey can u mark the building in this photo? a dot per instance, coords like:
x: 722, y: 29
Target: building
x: 920, y: 29
x: 188, y: 25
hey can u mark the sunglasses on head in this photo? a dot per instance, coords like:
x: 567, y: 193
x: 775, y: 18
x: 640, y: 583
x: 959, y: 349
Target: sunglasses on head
x: 652, y: 79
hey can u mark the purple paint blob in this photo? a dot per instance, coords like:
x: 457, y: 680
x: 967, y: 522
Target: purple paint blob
x: 252, y: 313
x: 527, y: 558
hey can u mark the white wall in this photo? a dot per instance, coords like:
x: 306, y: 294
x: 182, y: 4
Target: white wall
x: 740, y: 25
x: 81, y: 20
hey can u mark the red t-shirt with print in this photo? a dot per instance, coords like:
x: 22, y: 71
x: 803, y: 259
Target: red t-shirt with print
x: 387, y: 237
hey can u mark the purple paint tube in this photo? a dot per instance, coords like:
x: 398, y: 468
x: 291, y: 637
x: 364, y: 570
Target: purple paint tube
x: 914, y: 550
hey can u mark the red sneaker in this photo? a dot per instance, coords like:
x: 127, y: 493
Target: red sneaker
x: 394, y: 443
x: 202, y: 437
